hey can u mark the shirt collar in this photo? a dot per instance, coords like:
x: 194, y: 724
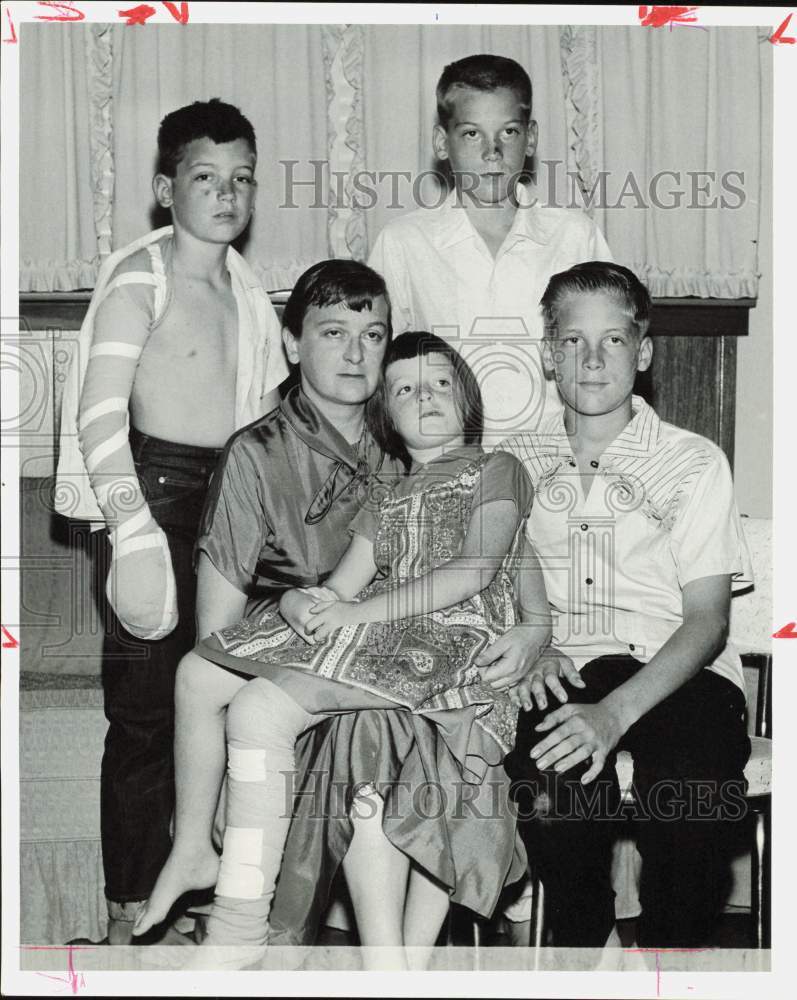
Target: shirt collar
x: 452, y: 225
x: 640, y: 435
x: 637, y: 439
x: 468, y: 452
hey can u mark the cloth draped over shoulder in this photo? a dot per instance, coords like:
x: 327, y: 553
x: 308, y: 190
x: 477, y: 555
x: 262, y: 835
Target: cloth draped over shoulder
x: 257, y: 327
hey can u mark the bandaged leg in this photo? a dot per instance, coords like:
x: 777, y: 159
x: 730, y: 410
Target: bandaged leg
x: 263, y: 724
x: 141, y: 587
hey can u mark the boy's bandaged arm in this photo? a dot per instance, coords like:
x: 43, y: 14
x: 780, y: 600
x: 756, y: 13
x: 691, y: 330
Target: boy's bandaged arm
x: 120, y: 334
x: 141, y: 583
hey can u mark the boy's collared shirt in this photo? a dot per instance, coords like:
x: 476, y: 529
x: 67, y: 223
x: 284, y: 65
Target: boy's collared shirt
x: 281, y: 500
x: 660, y: 513
x: 442, y: 277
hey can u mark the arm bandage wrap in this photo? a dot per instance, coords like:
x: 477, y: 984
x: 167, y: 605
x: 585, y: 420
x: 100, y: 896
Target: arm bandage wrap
x: 96, y: 479
x: 140, y: 586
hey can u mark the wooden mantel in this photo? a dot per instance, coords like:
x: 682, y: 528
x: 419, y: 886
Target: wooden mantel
x: 692, y: 381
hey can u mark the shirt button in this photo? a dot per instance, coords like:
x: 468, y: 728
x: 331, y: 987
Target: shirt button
x: 594, y: 465
x: 589, y: 580
x: 572, y: 463
x: 584, y: 527
x: 631, y: 646
x: 161, y: 479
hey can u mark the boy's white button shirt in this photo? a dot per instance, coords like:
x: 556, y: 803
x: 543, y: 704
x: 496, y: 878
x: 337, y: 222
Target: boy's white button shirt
x: 442, y: 277
x: 660, y: 513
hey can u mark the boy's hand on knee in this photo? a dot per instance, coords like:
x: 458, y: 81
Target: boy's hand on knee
x: 578, y: 732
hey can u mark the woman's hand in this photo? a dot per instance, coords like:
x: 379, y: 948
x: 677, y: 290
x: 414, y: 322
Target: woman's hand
x: 580, y: 731
x: 328, y: 615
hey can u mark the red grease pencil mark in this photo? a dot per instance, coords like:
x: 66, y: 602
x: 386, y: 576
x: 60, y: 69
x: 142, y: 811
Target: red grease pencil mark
x: 658, y: 952
x: 787, y: 632
x: 142, y: 13
x: 180, y: 16
x: 13, y: 39
x: 778, y: 38
x: 69, y: 11
x: 657, y: 15
x: 9, y: 642
x: 74, y: 980
x: 137, y: 15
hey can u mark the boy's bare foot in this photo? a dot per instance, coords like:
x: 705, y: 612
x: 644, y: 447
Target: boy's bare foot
x: 179, y: 875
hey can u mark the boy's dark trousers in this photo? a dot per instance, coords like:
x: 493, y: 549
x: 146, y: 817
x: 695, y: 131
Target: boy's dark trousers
x: 137, y: 786
x: 689, y: 754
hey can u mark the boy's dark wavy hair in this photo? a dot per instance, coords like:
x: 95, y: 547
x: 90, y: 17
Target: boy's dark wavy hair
x: 598, y: 276
x: 211, y: 119
x: 330, y: 283
x: 481, y: 72
x: 418, y: 344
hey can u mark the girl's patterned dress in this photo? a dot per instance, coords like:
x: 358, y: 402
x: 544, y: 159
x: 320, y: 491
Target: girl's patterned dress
x: 425, y: 663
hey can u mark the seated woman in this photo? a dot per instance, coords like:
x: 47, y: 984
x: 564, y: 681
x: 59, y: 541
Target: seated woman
x: 430, y: 662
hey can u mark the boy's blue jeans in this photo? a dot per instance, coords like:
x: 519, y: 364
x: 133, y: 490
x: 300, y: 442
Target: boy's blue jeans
x: 137, y: 787
x: 689, y: 755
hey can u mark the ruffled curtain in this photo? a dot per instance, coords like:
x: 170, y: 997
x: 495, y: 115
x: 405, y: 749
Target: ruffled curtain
x: 344, y: 115
x: 62, y: 86
x: 88, y: 142
x: 672, y: 119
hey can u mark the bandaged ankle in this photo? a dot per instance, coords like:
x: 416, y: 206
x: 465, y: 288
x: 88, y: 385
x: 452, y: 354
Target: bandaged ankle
x: 263, y: 725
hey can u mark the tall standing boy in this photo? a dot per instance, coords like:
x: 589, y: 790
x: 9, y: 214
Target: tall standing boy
x: 179, y: 348
x: 474, y: 268
x: 636, y: 528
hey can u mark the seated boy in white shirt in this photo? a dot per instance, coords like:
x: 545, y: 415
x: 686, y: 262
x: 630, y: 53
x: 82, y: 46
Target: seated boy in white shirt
x: 473, y: 268
x: 637, y: 531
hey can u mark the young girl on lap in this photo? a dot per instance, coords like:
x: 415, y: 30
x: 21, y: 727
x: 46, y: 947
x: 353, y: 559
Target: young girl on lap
x: 425, y: 585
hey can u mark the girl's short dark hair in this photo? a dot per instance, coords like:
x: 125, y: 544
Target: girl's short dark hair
x: 332, y: 283
x: 417, y: 344
x: 211, y: 119
x: 598, y: 276
x: 481, y: 72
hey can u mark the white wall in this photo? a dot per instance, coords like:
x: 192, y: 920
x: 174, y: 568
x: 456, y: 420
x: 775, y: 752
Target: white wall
x: 754, y: 365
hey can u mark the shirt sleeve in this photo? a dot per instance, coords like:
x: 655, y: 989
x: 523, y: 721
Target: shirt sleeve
x: 707, y: 537
x: 504, y: 478
x: 234, y: 522
x: 387, y: 259
x: 365, y: 523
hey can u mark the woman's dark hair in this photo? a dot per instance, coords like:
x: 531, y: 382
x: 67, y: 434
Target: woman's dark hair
x: 418, y: 344
x: 211, y: 119
x: 330, y: 283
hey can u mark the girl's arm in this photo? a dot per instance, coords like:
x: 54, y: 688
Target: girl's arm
x: 489, y: 536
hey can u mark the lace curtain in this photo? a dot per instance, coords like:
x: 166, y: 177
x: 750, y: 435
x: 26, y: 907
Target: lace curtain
x: 657, y: 128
